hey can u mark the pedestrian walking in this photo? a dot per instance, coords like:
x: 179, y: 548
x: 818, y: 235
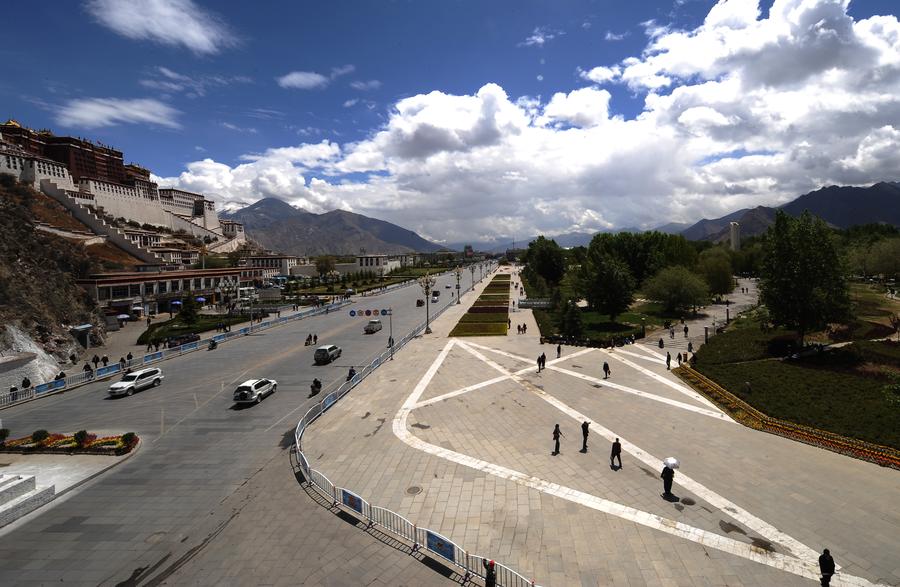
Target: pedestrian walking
x: 26, y: 383
x: 690, y: 347
x: 685, y: 330
x: 615, y: 454
x: 661, y: 344
x: 149, y: 346
x: 558, y: 351
x: 122, y: 362
x: 584, y: 435
x: 87, y: 369
x: 678, y: 356
x: 490, y: 574
x: 605, y: 370
x: 148, y: 320
x: 668, y: 360
x: 556, y: 434
x: 509, y: 322
x: 668, y: 474
x: 129, y: 356
x: 95, y: 359
x: 672, y: 332
x: 524, y: 329
x: 518, y: 329
x: 105, y: 359
x: 539, y: 364
x: 826, y: 565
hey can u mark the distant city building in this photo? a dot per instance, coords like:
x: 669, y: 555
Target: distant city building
x: 735, y: 236
x: 275, y: 264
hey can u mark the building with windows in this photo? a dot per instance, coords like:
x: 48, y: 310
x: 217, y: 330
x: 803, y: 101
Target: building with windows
x: 177, y: 256
x: 280, y: 264
x: 155, y: 291
x: 379, y: 264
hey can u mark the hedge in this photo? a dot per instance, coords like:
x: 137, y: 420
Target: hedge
x: 480, y: 329
x: 487, y: 309
x: 484, y: 318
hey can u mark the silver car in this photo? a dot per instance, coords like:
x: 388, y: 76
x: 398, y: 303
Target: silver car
x: 253, y: 390
x: 136, y: 381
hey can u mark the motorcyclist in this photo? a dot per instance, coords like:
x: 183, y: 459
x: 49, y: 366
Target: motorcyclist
x: 212, y: 345
x: 316, y: 386
x: 351, y: 374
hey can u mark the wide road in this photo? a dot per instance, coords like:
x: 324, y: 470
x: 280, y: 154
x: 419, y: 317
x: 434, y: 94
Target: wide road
x: 146, y: 518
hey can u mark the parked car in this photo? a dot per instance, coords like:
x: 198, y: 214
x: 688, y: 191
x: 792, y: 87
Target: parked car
x: 136, y: 381
x: 181, y: 339
x: 326, y: 354
x: 372, y: 327
x: 420, y: 302
x: 253, y: 390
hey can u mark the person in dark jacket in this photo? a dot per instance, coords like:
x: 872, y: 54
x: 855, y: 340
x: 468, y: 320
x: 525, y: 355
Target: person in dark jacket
x: 826, y: 565
x: 490, y: 574
x: 26, y: 383
x: 605, y: 370
x: 584, y: 435
x: 667, y: 475
x: 615, y: 454
x: 556, y: 434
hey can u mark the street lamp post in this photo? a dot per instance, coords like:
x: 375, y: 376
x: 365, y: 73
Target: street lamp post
x: 426, y: 282
x: 458, y: 272
x: 472, y: 271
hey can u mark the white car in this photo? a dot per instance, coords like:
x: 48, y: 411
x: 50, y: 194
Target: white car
x: 372, y: 327
x: 434, y: 299
x: 136, y: 381
x: 253, y: 390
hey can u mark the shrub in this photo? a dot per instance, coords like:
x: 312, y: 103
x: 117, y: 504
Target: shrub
x: 39, y: 436
x: 80, y: 438
x: 4, y: 434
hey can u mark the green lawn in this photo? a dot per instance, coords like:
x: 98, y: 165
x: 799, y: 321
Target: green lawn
x: 484, y: 318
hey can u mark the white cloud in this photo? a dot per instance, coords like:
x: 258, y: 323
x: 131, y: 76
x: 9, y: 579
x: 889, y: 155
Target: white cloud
x: 743, y: 110
x: 611, y: 36
x: 168, y: 22
x: 166, y: 80
x: 540, y: 36
x: 351, y: 103
x: 100, y: 112
x: 303, y: 80
x: 365, y: 86
x: 337, y: 72
x: 242, y: 129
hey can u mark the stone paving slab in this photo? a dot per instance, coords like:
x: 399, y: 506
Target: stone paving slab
x: 817, y: 497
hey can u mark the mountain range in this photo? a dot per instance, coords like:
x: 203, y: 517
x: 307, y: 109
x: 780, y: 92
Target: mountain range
x: 839, y: 206
x: 277, y: 225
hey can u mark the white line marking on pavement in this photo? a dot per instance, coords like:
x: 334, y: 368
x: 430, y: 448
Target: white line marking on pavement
x: 805, y: 566
x: 679, y: 388
x: 644, y: 357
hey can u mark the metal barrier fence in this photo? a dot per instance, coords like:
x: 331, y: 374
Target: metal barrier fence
x: 8, y: 398
x: 386, y: 519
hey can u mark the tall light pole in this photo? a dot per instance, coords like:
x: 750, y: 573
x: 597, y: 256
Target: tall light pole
x: 391, y: 335
x: 472, y: 270
x: 458, y: 272
x: 426, y: 282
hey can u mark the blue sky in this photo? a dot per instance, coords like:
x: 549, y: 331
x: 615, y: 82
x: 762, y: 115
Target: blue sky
x: 254, y: 88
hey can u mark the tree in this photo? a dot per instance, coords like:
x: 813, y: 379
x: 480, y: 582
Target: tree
x: 188, y: 312
x: 608, y: 284
x: 677, y: 289
x: 803, y: 282
x: 324, y: 265
x: 885, y: 258
x: 546, y: 258
x: 570, y: 320
x: 715, y: 267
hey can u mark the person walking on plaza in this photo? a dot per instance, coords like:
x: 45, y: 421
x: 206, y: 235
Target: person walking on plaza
x: 122, y: 362
x: 685, y: 330
x: 524, y: 329
x: 668, y: 361
x: 105, y: 360
x: 678, y: 356
x: 556, y: 434
x: 826, y: 565
x: 558, y: 351
x: 490, y: 574
x: 690, y: 347
x: 540, y: 366
x: 95, y: 359
x: 584, y: 435
x: 661, y: 344
x: 668, y: 474
x: 605, y: 370
x: 672, y: 332
x: 543, y: 361
x: 87, y: 369
x: 615, y: 454
x: 26, y: 383
x: 129, y: 356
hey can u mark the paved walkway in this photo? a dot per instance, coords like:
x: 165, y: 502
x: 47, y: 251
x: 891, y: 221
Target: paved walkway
x: 455, y: 435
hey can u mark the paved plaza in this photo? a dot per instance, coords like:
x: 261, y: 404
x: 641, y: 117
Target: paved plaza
x: 456, y: 436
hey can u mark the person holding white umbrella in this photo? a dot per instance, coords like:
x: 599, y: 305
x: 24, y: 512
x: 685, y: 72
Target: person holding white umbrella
x: 668, y: 474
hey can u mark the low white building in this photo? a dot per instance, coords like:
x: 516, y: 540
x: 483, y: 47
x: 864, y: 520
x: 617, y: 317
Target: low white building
x: 31, y: 169
x: 281, y: 264
x: 379, y: 264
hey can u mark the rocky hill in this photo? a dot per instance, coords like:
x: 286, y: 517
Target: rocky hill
x: 281, y: 227
x: 39, y: 299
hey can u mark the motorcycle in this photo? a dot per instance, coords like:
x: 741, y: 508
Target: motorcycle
x: 213, y: 345
x: 316, y: 387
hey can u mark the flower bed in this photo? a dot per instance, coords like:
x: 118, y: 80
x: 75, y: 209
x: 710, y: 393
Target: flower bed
x: 479, y: 329
x: 78, y: 443
x: 488, y: 309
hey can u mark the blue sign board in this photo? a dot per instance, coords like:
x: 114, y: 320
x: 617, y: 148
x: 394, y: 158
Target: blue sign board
x: 351, y: 500
x: 384, y: 312
x: 353, y: 312
x: 49, y: 386
x: 152, y: 357
x: 440, y: 545
x: 189, y: 346
x: 107, y: 370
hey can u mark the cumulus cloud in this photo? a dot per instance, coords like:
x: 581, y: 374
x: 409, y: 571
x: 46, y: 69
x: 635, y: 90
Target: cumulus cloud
x: 168, y: 22
x: 100, y: 112
x: 746, y: 109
